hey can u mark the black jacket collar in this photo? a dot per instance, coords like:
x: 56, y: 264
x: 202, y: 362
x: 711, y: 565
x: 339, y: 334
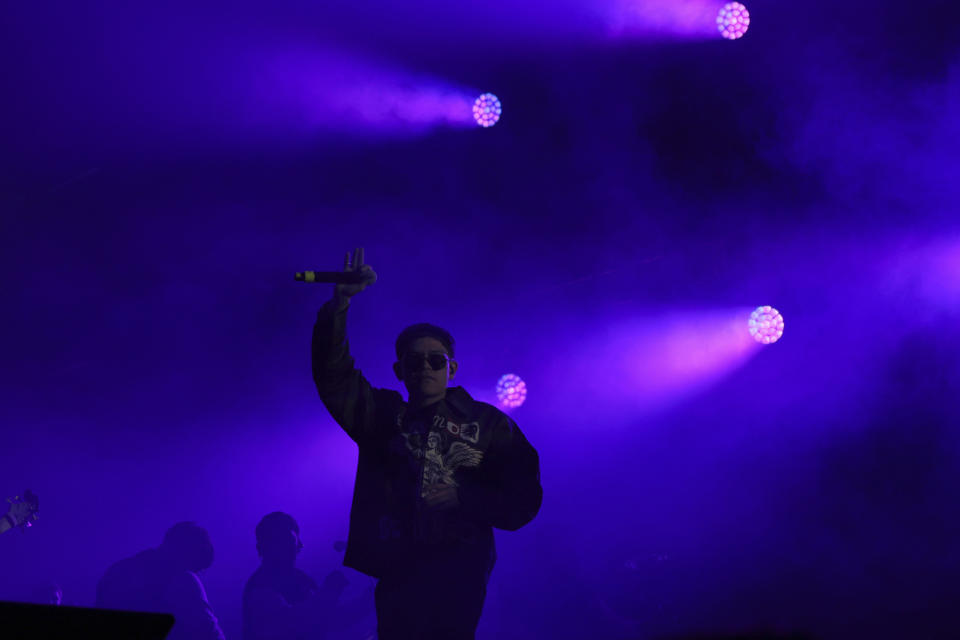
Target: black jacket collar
x: 460, y: 401
x: 456, y: 401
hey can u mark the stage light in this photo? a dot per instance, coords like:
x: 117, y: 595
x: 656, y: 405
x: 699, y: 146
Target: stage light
x: 733, y: 20
x: 766, y: 325
x: 487, y: 110
x: 511, y: 391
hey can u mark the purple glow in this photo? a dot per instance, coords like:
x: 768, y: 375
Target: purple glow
x: 766, y: 325
x: 925, y: 270
x: 329, y: 89
x: 511, y: 391
x: 656, y: 19
x: 650, y: 363
x: 487, y: 110
x: 733, y: 20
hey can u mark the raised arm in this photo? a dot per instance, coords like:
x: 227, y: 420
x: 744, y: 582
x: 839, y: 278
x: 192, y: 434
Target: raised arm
x: 347, y: 395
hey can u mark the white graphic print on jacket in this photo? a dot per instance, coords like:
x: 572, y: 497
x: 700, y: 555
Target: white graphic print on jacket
x: 445, y: 451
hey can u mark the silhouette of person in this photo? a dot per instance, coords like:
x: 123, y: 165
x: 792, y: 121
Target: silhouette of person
x: 165, y: 580
x: 435, y: 474
x: 279, y: 600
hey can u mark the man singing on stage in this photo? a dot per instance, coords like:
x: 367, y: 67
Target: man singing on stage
x: 435, y: 474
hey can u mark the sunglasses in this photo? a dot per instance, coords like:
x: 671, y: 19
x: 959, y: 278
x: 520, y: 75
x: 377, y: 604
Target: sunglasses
x: 414, y: 361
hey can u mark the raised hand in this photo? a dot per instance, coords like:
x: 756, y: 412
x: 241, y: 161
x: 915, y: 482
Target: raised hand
x: 22, y: 512
x: 351, y: 264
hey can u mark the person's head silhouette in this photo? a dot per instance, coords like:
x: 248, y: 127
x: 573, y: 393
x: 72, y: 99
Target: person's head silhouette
x: 188, y: 547
x: 278, y: 539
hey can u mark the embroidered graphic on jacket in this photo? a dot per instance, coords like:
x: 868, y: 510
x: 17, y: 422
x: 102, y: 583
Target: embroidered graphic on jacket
x: 414, y: 442
x: 469, y: 432
x: 439, y: 468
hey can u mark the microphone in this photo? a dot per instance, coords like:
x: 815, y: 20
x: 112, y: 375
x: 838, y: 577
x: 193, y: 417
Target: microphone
x: 331, y: 277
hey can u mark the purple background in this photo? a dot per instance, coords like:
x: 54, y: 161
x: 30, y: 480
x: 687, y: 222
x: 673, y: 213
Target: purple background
x: 166, y: 169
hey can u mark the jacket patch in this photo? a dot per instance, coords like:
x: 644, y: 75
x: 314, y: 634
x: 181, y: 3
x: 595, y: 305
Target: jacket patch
x: 469, y: 432
x: 439, y: 467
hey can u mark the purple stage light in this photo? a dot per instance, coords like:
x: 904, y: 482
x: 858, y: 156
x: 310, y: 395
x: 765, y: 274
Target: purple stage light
x: 733, y: 20
x: 487, y: 110
x: 766, y: 324
x: 653, y: 361
x: 324, y: 89
x: 511, y: 391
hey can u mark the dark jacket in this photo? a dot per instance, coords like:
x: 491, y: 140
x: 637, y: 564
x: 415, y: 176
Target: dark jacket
x: 462, y: 442
x: 268, y: 600
x: 148, y: 581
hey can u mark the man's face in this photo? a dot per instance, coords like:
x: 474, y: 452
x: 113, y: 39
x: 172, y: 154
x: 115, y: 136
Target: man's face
x: 416, y: 368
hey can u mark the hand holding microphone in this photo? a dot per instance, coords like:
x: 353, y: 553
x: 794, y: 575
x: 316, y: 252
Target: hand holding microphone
x: 363, y: 273
x: 355, y: 277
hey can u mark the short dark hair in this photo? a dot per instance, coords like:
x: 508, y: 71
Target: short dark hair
x: 423, y: 330
x: 273, y: 522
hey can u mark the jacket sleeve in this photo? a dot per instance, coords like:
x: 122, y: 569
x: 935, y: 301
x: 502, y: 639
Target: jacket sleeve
x: 347, y: 395
x: 194, y: 619
x: 505, y: 490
